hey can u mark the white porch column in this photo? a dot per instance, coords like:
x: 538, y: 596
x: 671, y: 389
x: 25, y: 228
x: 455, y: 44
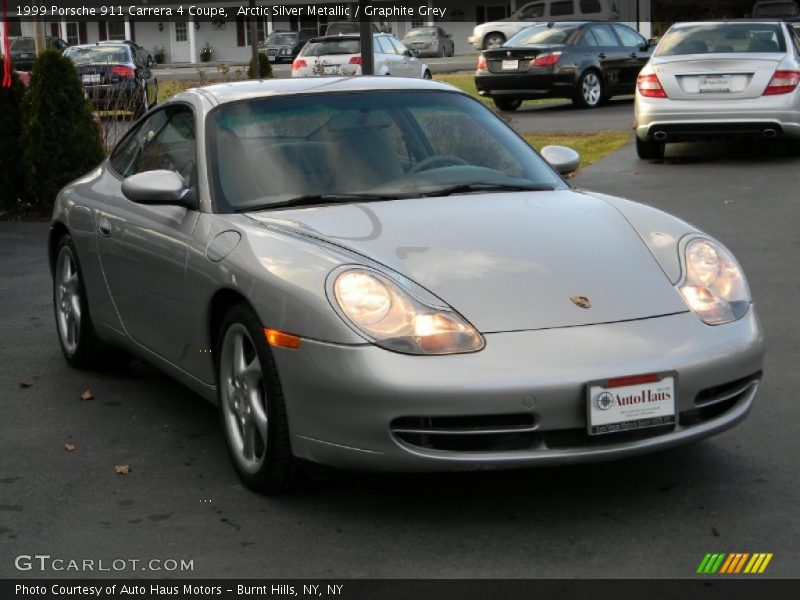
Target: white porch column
x: 127, y: 29
x: 62, y: 27
x: 430, y: 23
x: 270, y: 26
x: 513, y: 4
x: 192, y: 41
x: 645, y: 18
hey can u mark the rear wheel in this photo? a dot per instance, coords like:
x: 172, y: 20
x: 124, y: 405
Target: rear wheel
x: 650, y: 150
x: 507, y: 104
x: 589, y: 92
x: 79, y: 342
x: 251, y: 405
x: 493, y: 40
x: 427, y: 75
x: 793, y: 147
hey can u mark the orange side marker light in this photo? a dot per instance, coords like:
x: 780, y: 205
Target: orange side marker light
x: 281, y: 339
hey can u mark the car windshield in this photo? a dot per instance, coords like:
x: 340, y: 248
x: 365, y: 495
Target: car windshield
x: 330, y: 47
x: 776, y: 9
x: 22, y: 45
x: 97, y: 54
x: 541, y: 34
x: 422, y: 32
x: 717, y: 38
x: 370, y: 145
x: 281, y: 39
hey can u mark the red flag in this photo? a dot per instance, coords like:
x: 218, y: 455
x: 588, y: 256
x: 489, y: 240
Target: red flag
x: 6, y: 50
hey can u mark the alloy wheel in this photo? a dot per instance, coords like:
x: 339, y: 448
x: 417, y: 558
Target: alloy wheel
x: 68, y: 301
x: 591, y: 89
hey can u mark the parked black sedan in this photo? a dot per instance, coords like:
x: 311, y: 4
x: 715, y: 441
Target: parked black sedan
x: 588, y: 62
x: 23, y: 51
x: 115, y: 77
x: 283, y: 46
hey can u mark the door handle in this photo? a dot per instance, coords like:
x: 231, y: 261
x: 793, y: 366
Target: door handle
x: 601, y: 55
x: 104, y: 227
x: 634, y: 55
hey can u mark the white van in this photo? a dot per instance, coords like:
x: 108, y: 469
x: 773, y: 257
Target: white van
x: 495, y: 33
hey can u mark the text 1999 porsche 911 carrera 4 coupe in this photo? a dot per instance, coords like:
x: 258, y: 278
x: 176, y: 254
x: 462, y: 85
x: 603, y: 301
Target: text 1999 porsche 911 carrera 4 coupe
x: 378, y: 273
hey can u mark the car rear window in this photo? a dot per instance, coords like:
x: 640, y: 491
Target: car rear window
x: 281, y: 39
x: 717, y: 38
x: 776, y: 9
x: 98, y: 54
x: 328, y: 48
x: 542, y: 34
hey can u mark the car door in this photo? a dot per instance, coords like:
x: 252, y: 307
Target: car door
x: 611, y: 56
x: 143, y: 248
x: 409, y: 65
x: 637, y: 54
x: 385, y: 56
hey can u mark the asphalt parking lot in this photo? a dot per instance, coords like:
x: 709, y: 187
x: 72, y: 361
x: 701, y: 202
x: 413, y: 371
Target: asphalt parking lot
x: 652, y: 516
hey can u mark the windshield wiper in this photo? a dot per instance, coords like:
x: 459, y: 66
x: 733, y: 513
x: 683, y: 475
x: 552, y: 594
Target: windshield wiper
x: 463, y: 188
x: 314, y: 199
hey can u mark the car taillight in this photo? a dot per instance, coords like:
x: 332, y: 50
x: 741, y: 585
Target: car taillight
x: 650, y: 87
x: 783, y: 82
x: 355, y: 60
x: 546, y: 60
x: 482, y: 64
x: 299, y: 63
x: 122, y: 71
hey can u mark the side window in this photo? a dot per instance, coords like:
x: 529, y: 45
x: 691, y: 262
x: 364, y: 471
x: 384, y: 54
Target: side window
x: 590, y: 7
x: 604, y: 36
x: 588, y: 39
x: 398, y: 45
x: 384, y: 45
x: 562, y: 8
x: 533, y: 11
x: 166, y: 140
x: 630, y: 39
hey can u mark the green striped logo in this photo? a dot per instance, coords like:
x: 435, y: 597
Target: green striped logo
x: 734, y: 562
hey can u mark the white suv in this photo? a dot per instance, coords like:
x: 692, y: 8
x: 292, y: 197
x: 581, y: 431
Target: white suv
x: 495, y: 33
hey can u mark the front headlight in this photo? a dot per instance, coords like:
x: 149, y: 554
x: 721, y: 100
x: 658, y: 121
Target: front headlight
x: 714, y: 286
x: 394, y: 319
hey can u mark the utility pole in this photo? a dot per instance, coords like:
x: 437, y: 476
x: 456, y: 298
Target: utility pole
x: 254, y: 42
x: 367, y: 53
x: 38, y: 32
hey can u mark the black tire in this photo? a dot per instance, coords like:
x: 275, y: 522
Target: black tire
x: 278, y: 470
x: 442, y: 53
x: 650, y: 150
x: 589, y: 90
x: 141, y: 106
x: 86, y: 350
x: 793, y: 147
x: 427, y: 75
x: 493, y: 40
x: 507, y: 104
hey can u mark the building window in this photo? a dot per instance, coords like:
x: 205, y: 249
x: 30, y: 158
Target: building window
x: 261, y: 30
x: 14, y: 27
x: 73, y: 38
x: 116, y: 30
x: 181, y: 33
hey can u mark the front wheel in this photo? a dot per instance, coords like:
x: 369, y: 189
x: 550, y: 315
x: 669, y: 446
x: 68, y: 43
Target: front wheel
x: 251, y: 405
x: 507, y: 104
x: 427, y: 75
x: 650, y: 150
x: 793, y: 147
x: 589, y: 92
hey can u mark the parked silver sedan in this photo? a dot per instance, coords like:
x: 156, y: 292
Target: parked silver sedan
x: 720, y: 79
x: 378, y: 273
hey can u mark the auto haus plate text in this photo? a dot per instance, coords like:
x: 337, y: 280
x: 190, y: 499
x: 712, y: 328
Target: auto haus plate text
x: 181, y: 591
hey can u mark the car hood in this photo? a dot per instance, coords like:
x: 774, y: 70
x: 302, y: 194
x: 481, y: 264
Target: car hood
x: 507, y: 262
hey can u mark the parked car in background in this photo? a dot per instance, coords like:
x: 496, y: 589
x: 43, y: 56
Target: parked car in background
x: 429, y: 41
x: 347, y: 28
x: 23, y: 51
x: 283, y: 46
x: 352, y: 284
x: 770, y: 9
x: 495, y: 33
x: 719, y: 79
x: 341, y: 55
x: 586, y: 62
x: 147, y: 56
x: 115, y: 77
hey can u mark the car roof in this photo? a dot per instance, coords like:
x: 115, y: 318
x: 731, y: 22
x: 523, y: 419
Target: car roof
x: 222, y: 93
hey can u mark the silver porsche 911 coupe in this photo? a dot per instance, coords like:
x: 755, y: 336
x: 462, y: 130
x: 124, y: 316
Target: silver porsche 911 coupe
x: 378, y: 273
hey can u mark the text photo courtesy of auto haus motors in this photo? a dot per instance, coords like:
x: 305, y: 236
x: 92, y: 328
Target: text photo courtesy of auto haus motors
x: 442, y: 241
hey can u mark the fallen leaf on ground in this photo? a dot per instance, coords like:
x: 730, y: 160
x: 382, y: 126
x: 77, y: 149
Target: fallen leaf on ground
x: 87, y: 395
x: 24, y: 384
x: 122, y: 469
x: 69, y: 447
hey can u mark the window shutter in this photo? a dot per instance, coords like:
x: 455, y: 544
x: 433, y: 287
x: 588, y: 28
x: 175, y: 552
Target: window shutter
x: 101, y: 31
x: 54, y: 30
x: 239, y: 31
x: 133, y: 31
x: 82, y: 37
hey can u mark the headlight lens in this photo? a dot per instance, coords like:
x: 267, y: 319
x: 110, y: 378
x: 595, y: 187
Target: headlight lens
x: 394, y: 319
x: 714, y: 287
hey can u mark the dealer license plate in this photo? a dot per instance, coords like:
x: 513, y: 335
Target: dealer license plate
x: 716, y: 84
x: 628, y: 403
x: 332, y: 70
x: 91, y: 78
x: 510, y: 65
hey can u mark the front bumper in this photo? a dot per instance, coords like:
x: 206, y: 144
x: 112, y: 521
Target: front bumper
x: 532, y: 85
x: 349, y: 405
x: 122, y: 95
x: 687, y: 120
x: 476, y: 41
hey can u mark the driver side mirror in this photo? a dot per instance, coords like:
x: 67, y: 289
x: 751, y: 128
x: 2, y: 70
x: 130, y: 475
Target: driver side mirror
x: 408, y: 53
x: 158, y: 188
x: 562, y: 159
